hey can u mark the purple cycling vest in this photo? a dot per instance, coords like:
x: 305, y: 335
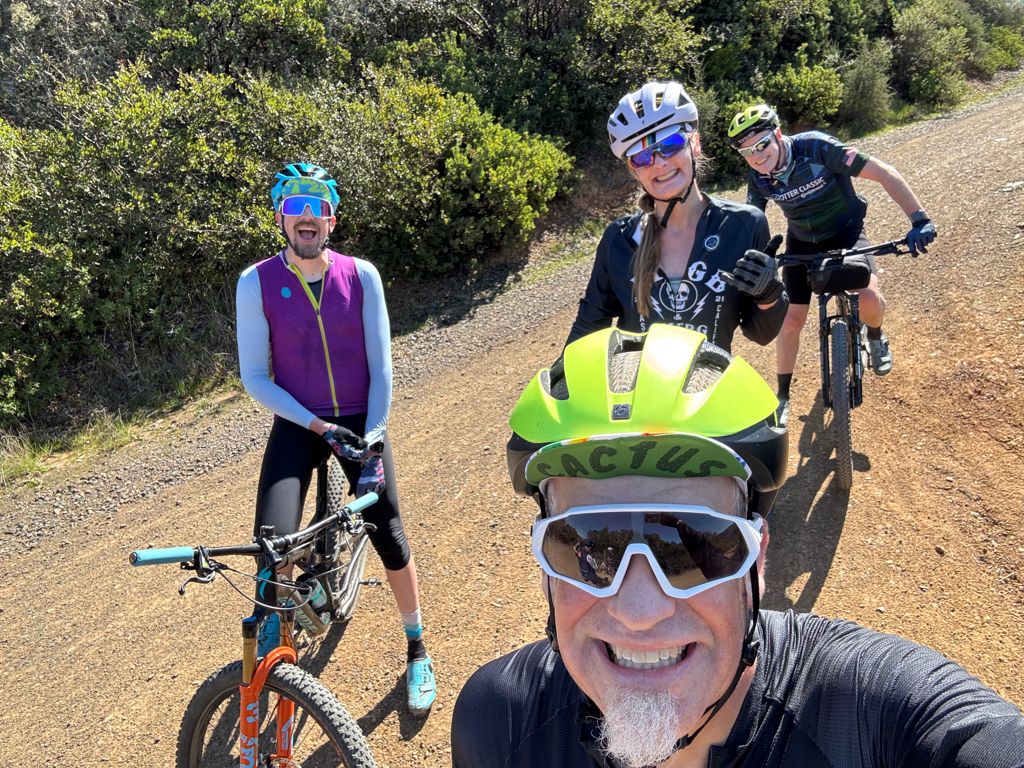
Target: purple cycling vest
x: 317, y: 353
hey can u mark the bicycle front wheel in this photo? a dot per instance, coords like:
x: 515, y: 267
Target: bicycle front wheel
x: 325, y: 735
x: 842, y: 422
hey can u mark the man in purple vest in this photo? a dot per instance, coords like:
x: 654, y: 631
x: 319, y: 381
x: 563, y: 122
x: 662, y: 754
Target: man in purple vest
x: 314, y: 347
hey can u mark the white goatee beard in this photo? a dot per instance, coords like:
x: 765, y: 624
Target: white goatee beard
x: 639, y: 727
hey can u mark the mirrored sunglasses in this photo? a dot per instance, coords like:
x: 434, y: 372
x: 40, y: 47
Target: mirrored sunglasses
x: 297, y: 204
x: 758, y: 147
x: 667, y: 147
x: 690, y: 549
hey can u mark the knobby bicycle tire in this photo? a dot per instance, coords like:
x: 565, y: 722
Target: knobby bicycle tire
x: 325, y: 733
x: 345, y: 579
x: 842, y: 422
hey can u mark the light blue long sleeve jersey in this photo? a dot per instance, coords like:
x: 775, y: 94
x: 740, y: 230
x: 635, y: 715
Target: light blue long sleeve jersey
x: 254, y: 352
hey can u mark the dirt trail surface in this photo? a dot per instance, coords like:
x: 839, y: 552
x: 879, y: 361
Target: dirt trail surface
x: 100, y: 659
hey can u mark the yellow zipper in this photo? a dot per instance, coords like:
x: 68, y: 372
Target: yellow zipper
x: 320, y: 322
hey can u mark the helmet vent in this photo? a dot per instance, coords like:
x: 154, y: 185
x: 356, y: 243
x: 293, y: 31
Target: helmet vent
x: 622, y: 371
x: 553, y: 381
x: 708, y: 367
x: 638, y: 107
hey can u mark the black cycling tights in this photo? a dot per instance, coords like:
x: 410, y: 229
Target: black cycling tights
x: 292, y: 453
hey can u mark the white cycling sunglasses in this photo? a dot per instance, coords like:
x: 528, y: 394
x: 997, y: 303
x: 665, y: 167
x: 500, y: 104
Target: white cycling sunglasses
x: 689, y: 548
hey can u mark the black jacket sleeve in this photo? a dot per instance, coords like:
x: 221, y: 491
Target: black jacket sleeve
x: 762, y: 325
x: 599, y: 305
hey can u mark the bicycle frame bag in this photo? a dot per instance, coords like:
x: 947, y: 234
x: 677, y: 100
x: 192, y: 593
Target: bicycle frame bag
x: 834, y: 275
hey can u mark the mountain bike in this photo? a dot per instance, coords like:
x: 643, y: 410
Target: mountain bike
x: 270, y: 713
x: 842, y: 339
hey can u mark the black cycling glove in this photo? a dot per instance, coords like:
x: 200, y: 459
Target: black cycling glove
x: 757, y: 274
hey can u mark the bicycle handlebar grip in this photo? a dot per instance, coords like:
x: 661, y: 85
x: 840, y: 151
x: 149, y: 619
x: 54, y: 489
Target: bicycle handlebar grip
x: 161, y: 555
x: 364, y: 501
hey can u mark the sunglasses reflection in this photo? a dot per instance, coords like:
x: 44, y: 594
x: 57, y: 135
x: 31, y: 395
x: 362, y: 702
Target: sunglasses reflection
x: 691, y: 549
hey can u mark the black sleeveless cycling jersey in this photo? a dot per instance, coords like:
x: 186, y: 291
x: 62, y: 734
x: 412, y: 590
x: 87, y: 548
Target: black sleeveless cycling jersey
x: 701, y: 300
x: 825, y: 693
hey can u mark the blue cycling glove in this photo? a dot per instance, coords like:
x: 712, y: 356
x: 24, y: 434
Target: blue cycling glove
x: 921, y: 234
x: 372, y: 476
x: 345, y: 443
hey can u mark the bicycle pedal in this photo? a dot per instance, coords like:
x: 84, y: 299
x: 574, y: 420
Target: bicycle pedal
x: 371, y: 582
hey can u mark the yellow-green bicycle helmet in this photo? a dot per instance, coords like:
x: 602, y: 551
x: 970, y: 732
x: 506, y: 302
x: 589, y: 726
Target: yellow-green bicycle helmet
x: 755, y: 119
x: 663, y: 403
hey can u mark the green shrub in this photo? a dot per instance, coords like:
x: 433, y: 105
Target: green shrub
x: 807, y: 95
x: 244, y: 36
x: 930, y: 54
x: 867, y: 95
x: 1009, y: 41
x: 433, y: 182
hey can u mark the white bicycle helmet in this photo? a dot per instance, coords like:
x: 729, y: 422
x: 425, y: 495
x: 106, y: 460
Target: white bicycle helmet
x: 654, y: 107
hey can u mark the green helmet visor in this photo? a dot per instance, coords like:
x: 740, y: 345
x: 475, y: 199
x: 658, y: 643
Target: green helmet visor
x: 676, y: 454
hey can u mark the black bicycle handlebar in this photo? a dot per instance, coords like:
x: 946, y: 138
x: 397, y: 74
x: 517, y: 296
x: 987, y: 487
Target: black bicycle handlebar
x: 280, y: 544
x: 894, y: 247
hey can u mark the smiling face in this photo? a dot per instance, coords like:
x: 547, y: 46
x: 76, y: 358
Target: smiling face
x: 685, y: 651
x: 306, y: 233
x: 666, y: 178
x: 767, y: 159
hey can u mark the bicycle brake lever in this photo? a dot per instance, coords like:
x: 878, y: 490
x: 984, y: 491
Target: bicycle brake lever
x: 205, y: 578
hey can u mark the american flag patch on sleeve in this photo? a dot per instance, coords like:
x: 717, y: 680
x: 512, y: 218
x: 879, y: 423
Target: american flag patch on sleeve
x: 851, y: 155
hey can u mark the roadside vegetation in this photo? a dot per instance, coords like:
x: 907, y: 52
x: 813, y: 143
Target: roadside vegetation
x: 137, y: 139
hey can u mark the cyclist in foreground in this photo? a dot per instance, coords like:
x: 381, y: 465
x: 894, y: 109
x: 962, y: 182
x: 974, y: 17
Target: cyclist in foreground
x: 686, y: 258
x: 808, y: 176
x: 314, y: 347
x: 661, y: 447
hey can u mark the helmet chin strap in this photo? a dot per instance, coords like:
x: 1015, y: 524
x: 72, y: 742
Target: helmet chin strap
x: 681, y: 199
x: 748, y: 655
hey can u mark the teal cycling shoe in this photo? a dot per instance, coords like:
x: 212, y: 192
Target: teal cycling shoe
x: 270, y: 635
x: 420, y: 685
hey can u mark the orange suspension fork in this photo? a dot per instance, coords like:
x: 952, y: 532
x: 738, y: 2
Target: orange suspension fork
x: 254, y: 677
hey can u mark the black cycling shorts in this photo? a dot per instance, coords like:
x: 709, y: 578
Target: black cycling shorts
x: 291, y: 455
x: 795, y: 277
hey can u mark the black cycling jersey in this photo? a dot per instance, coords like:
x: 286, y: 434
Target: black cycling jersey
x: 814, y: 190
x: 825, y: 693
x: 701, y: 300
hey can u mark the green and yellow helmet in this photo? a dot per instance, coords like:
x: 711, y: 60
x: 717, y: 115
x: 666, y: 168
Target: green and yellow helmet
x: 755, y: 119
x: 665, y: 403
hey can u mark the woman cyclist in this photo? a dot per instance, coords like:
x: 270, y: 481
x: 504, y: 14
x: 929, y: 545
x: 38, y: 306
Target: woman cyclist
x: 314, y: 347
x: 687, y: 259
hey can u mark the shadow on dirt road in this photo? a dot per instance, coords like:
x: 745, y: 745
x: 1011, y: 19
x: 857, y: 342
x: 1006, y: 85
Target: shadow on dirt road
x: 808, y: 518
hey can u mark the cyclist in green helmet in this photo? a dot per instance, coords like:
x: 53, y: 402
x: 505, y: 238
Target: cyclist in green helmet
x: 809, y: 176
x: 661, y: 450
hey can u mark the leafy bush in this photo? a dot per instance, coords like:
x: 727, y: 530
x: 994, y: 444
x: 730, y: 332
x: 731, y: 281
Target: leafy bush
x: 807, y: 95
x: 433, y: 182
x: 867, y: 95
x: 1009, y: 41
x: 244, y: 36
x: 930, y: 54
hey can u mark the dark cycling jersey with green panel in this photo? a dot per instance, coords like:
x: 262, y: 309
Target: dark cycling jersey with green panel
x: 814, y: 190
